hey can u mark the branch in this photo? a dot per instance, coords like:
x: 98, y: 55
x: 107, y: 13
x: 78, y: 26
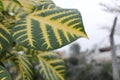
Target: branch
x: 113, y: 28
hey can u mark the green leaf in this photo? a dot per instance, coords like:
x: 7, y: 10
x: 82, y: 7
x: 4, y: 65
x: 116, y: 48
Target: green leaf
x: 18, y: 6
x: 42, y: 2
x: 51, y: 66
x: 5, y: 38
x: 28, y: 5
x: 4, y: 75
x: 11, y: 6
x: 27, y: 51
x: 48, y: 28
x: 31, y: 5
x: 24, y: 67
x: 1, y: 6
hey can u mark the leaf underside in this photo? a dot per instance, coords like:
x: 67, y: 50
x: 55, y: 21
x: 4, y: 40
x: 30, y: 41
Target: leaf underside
x: 4, y: 75
x: 48, y: 28
x: 51, y: 66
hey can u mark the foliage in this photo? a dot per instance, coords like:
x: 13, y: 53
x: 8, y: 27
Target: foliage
x: 29, y: 27
x: 4, y: 75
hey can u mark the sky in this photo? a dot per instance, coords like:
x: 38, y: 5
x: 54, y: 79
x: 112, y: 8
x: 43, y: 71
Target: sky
x: 94, y: 18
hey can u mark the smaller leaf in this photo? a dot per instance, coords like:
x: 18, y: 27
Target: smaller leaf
x: 24, y: 67
x: 28, y: 5
x: 5, y: 38
x: 41, y: 2
x: 1, y: 6
x: 4, y: 75
x: 11, y: 6
x: 51, y: 66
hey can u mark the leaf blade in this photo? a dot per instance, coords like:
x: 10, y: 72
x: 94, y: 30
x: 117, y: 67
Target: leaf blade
x: 5, y: 38
x: 49, y: 28
x: 51, y: 66
x: 24, y: 67
x: 4, y: 75
x: 11, y: 6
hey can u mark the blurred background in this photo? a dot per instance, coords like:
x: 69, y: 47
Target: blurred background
x: 94, y: 58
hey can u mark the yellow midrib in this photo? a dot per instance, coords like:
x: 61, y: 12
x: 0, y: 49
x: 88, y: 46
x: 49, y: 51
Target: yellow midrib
x: 58, y: 25
x: 51, y: 67
x: 29, y: 32
x: 45, y: 36
x: 41, y: 63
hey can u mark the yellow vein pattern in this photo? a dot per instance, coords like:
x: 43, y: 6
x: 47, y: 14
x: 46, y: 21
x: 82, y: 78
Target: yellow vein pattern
x: 18, y: 16
x: 5, y: 38
x: 25, y: 67
x: 44, y: 1
x: 45, y: 36
x: 43, y: 68
x: 11, y: 6
x: 57, y: 23
x: 66, y: 35
x: 4, y: 75
x: 19, y: 32
x: 52, y: 66
x: 57, y: 35
x: 58, y: 14
x: 29, y: 32
x: 5, y: 29
x: 43, y: 10
x: 48, y: 28
x: 22, y: 37
x: 71, y: 21
x: 27, y: 5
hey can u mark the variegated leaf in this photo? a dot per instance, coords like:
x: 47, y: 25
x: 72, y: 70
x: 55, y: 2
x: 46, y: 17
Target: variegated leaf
x: 1, y: 6
x: 51, y: 66
x: 11, y: 6
x: 18, y: 6
x: 28, y: 5
x: 4, y: 75
x: 20, y: 48
x: 48, y: 28
x: 42, y: 2
x: 5, y: 37
x: 25, y: 67
x: 26, y: 50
